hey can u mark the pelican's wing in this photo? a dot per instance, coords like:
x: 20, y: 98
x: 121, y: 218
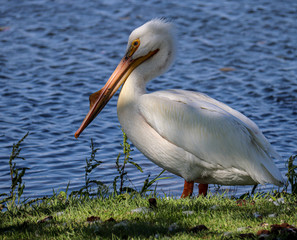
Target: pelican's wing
x: 211, y: 131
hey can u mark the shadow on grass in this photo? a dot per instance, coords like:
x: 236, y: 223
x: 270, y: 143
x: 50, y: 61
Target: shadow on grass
x: 135, y: 228
x: 168, y: 220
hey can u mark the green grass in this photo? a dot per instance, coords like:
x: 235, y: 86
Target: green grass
x: 94, y: 212
x: 68, y: 218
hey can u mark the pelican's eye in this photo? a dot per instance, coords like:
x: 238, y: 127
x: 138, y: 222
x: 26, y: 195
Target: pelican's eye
x: 133, y: 47
x: 135, y: 43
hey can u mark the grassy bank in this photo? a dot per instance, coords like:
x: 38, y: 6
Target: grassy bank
x: 126, y: 217
x: 97, y: 212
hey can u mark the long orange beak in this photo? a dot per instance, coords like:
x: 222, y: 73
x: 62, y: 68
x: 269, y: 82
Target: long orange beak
x: 99, y: 99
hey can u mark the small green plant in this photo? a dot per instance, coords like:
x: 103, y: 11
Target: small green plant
x: 123, y: 173
x: 291, y: 175
x: 121, y: 167
x: 91, y: 164
x: 147, y: 183
x: 16, y: 175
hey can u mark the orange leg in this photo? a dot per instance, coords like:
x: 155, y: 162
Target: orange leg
x: 188, y: 189
x: 203, y: 189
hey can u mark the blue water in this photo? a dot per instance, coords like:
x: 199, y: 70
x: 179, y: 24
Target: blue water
x: 54, y: 54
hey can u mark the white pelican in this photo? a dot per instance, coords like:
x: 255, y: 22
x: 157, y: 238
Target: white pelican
x: 187, y: 133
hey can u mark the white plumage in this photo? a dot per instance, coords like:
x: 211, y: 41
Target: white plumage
x: 184, y: 132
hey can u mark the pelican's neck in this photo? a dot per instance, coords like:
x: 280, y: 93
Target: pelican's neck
x: 133, y: 88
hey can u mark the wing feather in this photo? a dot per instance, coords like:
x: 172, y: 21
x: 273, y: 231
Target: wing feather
x: 211, y: 131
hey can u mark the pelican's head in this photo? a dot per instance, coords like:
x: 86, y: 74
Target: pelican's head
x: 150, y: 51
x: 154, y: 35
